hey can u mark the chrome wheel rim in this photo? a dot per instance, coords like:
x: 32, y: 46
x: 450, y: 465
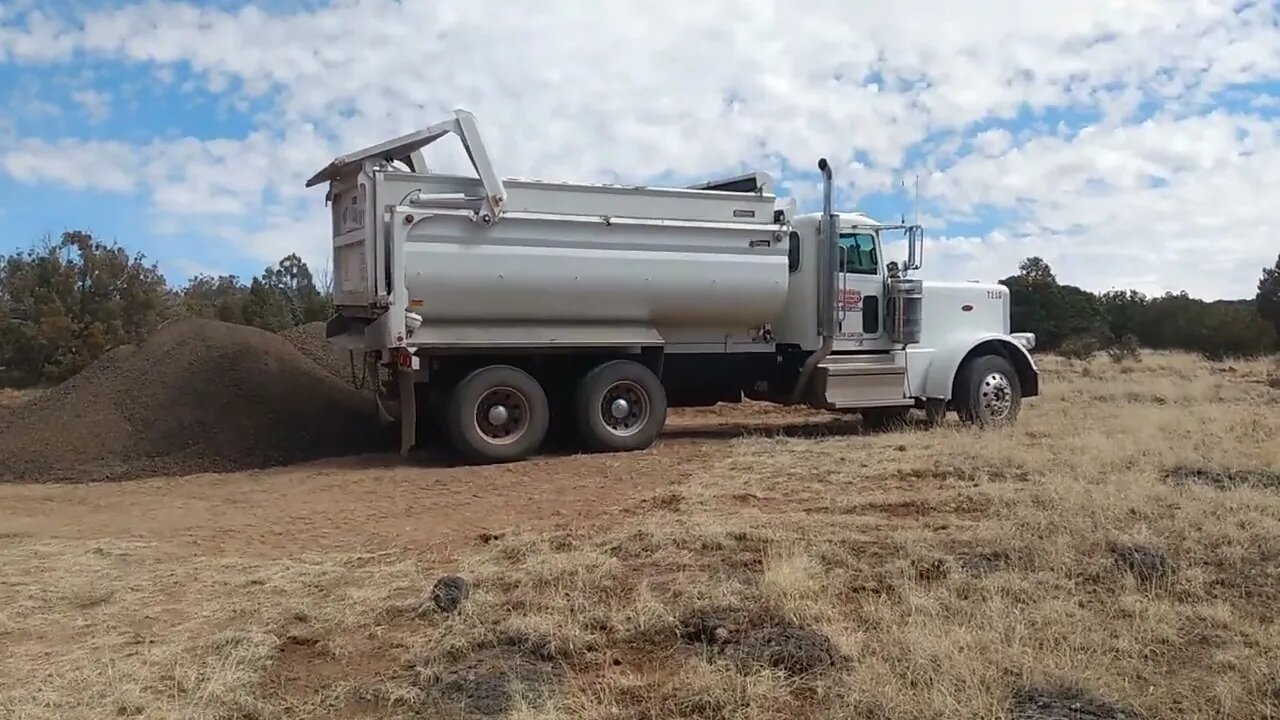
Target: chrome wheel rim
x: 624, y: 408
x: 995, y: 397
x: 502, y: 415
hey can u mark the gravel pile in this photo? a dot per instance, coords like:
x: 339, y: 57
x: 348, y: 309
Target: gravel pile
x: 309, y: 339
x: 198, y: 396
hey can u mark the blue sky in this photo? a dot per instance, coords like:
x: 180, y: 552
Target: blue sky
x: 1132, y: 146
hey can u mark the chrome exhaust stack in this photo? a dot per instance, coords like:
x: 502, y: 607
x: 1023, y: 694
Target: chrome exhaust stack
x: 828, y: 275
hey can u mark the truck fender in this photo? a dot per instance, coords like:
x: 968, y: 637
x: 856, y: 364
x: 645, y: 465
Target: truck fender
x: 940, y: 379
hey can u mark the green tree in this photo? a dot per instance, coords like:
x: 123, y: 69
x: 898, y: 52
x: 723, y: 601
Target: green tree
x: 1054, y: 312
x: 1030, y: 300
x: 1268, y: 299
x: 1036, y: 270
x: 266, y: 307
x: 1215, y: 330
x: 285, y: 295
x: 218, y: 298
x: 64, y: 304
x: 1065, y: 317
x: 1232, y: 331
x: 1122, y: 312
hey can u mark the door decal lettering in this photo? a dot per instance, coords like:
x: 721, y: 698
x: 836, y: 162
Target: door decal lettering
x: 851, y: 300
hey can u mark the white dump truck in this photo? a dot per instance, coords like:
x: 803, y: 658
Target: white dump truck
x: 498, y: 309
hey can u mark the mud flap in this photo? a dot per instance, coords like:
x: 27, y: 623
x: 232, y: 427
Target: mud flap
x: 408, y: 410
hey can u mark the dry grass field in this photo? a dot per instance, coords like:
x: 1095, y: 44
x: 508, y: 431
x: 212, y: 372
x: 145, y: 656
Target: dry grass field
x: 1115, y: 554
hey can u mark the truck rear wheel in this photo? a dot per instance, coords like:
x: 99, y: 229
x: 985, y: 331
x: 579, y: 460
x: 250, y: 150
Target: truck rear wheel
x: 988, y: 393
x: 498, y: 414
x: 620, y: 406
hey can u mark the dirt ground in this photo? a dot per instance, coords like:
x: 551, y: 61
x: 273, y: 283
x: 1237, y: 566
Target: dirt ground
x: 756, y: 563
x: 334, y: 505
x: 378, y: 500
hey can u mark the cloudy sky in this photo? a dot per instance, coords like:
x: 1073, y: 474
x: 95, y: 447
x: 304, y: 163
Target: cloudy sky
x: 1132, y: 143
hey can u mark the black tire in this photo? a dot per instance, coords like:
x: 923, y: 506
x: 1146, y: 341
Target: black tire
x: 887, y: 419
x: 475, y: 433
x: 632, y: 383
x: 988, y: 393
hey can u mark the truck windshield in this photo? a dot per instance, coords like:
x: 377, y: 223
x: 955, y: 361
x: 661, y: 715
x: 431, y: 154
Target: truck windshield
x: 859, y: 253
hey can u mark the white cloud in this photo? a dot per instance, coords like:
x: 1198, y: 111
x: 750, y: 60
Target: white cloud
x: 1164, y: 205
x: 95, y: 103
x: 993, y: 142
x: 283, y: 232
x: 27, y: 103
x: 34, y: 36
x: 615, y: 90
x: 110, y: 166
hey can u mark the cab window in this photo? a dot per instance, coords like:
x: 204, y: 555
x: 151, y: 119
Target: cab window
x: 858, y: 253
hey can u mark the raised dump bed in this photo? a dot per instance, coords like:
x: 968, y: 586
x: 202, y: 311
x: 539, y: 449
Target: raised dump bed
x: 480, y: 252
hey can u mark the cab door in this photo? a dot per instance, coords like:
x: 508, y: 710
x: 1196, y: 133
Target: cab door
x: 860, y: 287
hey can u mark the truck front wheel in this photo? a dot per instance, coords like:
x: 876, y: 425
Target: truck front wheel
x: 620, y: 406
x: 498, y: 414
x: 988, y: 393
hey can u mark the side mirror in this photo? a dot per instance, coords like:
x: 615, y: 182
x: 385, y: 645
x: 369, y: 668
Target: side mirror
x: 915, y: 247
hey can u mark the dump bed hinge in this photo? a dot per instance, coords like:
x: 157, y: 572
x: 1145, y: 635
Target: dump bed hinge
x: 406, y: 149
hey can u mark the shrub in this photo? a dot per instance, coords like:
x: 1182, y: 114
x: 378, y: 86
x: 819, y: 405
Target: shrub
x: 1079, y: 348
x: 1126, y: 349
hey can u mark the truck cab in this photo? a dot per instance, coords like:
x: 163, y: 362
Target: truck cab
x: 897, y: 342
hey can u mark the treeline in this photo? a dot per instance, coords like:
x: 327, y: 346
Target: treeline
x: 65, y: 302
x: 1078, y: 323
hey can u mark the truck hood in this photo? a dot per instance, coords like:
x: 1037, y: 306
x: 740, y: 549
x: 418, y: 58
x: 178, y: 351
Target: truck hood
x: 961, y: 285
x: 973, y: 307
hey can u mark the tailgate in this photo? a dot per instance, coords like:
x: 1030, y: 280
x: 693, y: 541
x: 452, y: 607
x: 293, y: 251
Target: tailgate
x: 361, y: 273
x: 355, y: 253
